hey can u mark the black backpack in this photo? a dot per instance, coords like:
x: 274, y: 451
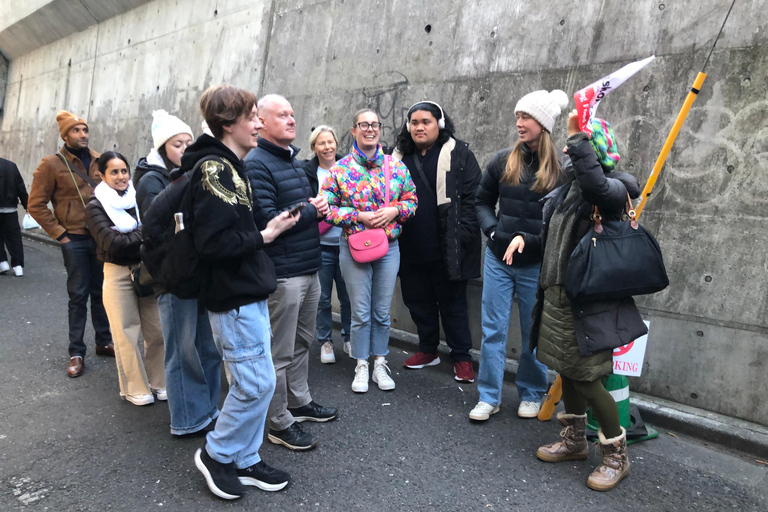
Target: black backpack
x: 171, y: 258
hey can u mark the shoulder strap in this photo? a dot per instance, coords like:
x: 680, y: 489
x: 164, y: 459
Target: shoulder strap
x: 387, y: 176
x: 77, y: 187
x: 77, y: 171
x: 420, y: 170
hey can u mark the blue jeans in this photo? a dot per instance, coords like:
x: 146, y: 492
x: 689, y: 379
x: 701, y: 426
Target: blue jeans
x: 85, y: 277
x: 192, y: 364
x: 242, y: 336
x: 500, y: 283
x: 330, y: 272
x: 370, y: 287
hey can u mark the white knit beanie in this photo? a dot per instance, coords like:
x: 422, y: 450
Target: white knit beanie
x: 543, y: 106
x: 165, y: 126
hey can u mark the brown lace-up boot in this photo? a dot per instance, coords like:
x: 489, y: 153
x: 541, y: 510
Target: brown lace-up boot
x: 573, y: 440
x: 615, y: 464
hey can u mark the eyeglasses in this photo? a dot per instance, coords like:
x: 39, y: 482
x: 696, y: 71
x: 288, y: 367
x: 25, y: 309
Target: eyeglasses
x: 364, y: 126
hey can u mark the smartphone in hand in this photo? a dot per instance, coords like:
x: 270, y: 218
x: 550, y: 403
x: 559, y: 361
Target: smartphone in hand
x: 296, y: 209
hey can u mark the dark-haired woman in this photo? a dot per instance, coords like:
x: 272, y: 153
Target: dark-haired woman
x: 355, y: 188
x: 192, y: 362
x: 516, y: 179
x: 114, y: 222
x: 440, y: 246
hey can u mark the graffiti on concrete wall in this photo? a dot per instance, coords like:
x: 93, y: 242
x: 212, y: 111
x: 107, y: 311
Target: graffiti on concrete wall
x: 386, y: 98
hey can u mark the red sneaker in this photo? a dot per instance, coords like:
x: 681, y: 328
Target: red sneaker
x: 464, y: 372
x: 420, y: 360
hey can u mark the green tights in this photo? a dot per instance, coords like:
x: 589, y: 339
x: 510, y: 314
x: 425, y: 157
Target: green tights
x: 577, y: 395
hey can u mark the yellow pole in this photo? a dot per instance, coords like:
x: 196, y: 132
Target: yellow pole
x: 556, y: 391
x: 670, y: 140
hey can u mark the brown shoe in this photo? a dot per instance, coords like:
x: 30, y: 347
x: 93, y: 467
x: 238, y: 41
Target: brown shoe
x: 573, y: 440
x: 615, y: 464
x: 76, y: 367
x: 106, y: 350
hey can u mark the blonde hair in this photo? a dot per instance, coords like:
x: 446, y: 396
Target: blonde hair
x: 550, y: 172
x: 316, y: 133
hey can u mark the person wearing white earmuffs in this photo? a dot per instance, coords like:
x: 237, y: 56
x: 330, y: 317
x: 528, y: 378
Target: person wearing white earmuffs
x: 440, y: 246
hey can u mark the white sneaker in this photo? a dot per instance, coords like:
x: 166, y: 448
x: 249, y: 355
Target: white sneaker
x: 140, y: 399
x: 326, y: 353
x: 4, y: 267
x: 381, y: 375
x: 18, y: 271
x: 161, y: 394
x: 360, y: 384
x: 482, y: 411
x: 348, y: 349
x: 528, y: 409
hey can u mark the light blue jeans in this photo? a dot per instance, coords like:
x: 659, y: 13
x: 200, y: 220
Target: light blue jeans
x: 243, y: 337
x: 192, y: 365
x: 500, y: 283
x: 328, y: 273
x: 370, y: 287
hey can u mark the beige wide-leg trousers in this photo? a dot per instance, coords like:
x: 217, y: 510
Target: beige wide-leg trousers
x: 129, y: 317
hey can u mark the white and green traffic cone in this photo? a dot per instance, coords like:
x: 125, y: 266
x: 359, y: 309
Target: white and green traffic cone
x: 629, y: 416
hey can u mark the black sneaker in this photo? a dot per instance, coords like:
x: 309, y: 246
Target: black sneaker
x: 264, y: 477
x: 314, y: 412
x: 221, y: 478
x: 293, y: 437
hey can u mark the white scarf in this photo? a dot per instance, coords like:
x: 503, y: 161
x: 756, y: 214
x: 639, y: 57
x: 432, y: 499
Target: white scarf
x: 116, y: 206
x: 154, y: 158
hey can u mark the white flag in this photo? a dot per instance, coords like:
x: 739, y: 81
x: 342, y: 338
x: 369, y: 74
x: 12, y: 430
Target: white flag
x: 588, y: 98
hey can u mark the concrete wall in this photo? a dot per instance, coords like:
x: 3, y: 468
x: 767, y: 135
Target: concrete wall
x: 709, y: 331
x: 3, y: 83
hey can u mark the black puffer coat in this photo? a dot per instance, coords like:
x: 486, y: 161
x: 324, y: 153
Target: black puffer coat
x: 112, y: 246
x: 149, y: 180
x: 280, y: 182
x: 603, y: 325
x: 519, y: 207
x: 458, y: 176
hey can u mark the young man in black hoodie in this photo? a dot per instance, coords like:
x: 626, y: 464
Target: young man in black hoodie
x: 238, y: 279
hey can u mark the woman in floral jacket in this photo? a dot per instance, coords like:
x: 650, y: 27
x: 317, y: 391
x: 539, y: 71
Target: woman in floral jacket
x: 355, y: 191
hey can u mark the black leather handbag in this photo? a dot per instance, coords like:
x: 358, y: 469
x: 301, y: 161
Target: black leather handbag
x: 143, y: 284
x: 615, y: 260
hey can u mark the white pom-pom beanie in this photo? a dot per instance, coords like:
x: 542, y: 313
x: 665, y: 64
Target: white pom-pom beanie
x: 543, y: 106
x: 165, y: 126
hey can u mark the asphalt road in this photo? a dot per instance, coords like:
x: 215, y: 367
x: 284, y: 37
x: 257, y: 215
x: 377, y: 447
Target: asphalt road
x: 72, y: 444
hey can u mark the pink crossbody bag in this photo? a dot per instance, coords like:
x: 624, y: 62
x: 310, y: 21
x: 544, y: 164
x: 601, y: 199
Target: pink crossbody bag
x: 372, y: 244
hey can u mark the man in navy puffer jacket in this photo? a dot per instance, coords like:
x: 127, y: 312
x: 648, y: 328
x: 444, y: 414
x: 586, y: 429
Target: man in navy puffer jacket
x: 279, y: 183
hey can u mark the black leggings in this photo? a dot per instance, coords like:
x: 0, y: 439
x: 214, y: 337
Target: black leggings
x: 577, y: 395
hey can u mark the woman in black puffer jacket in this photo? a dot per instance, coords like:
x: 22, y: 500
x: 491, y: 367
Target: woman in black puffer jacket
x: 577, y: 339
x: 113, y: 220
x: 516, y: 179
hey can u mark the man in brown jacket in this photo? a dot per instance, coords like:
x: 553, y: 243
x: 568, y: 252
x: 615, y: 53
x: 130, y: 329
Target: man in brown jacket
x: 66, y: 179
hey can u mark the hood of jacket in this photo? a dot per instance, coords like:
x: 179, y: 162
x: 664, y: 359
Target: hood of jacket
x: 204, y: 146
x: 143, y: 167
